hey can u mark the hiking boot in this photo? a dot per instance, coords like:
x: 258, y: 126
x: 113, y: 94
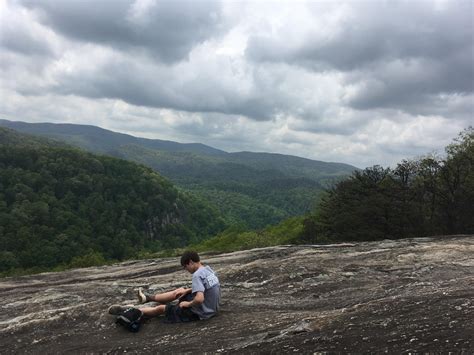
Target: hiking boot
x: 142, y: 296
x: 117, y: 310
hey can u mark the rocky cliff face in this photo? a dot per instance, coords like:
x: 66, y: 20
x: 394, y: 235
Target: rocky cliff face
x: 396, y: 296
x: 155, y: 226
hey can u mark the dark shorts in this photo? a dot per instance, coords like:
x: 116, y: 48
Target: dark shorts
x: 176, y: 314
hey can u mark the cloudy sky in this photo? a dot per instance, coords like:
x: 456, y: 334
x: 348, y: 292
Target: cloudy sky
x: 360, y: 82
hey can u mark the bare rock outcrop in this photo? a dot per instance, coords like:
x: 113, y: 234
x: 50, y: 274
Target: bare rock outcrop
x: 401, y: 296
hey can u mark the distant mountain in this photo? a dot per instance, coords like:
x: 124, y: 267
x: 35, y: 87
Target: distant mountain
x: 253, y: 189
x: 101, y: 140
x: 60, y: 205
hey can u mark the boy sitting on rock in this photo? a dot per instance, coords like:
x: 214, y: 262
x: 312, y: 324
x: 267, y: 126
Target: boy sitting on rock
x: 199, y: 302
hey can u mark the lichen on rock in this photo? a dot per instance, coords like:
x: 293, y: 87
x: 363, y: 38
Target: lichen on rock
x: 398, y: 296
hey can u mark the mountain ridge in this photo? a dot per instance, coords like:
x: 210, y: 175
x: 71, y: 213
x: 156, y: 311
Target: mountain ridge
x: 60, y: 205
x: 253, y: 189
x: 44, y: 128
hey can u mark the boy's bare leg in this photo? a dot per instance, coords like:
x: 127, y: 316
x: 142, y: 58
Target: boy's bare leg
x: 164, y: 297
x: 153, y: 311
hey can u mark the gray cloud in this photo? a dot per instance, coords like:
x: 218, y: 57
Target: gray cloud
x: 23, y: 42
x: 143, y: 83
x: 374, y: 32
x: 19, y: 36
x: 398, y: 53
x: 167, y: 29
x: 359, y: 82
x: 411, y: 85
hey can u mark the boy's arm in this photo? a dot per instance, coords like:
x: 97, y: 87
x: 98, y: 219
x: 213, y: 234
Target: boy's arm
x: 180, y: 292
x: 197, y: 300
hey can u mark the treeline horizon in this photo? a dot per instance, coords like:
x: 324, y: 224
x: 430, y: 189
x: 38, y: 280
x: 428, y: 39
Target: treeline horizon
x: 61, y: 207
x: 421, y: 197
x: 247, y: 188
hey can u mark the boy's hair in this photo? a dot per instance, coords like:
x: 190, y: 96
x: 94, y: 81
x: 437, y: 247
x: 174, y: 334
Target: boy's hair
x: 188, y: 256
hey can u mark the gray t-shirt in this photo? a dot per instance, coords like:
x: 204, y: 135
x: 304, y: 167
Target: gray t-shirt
x: 205, y: 280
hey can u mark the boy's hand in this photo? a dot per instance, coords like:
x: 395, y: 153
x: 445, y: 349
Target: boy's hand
x: 184, y: 304
x: 179, y: 292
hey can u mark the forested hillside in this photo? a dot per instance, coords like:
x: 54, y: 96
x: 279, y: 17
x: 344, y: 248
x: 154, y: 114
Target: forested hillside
x: 422, y: 197
x: 253, y: 196
x: 62, y: 206
x: 428, y: 196
x: 250, y: 189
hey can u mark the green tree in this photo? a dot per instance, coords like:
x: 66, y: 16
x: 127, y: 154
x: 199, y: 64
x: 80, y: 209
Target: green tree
x: 417, y: 198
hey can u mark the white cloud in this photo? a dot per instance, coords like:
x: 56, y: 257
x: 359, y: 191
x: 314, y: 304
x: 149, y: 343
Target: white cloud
x: 357, y: 82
